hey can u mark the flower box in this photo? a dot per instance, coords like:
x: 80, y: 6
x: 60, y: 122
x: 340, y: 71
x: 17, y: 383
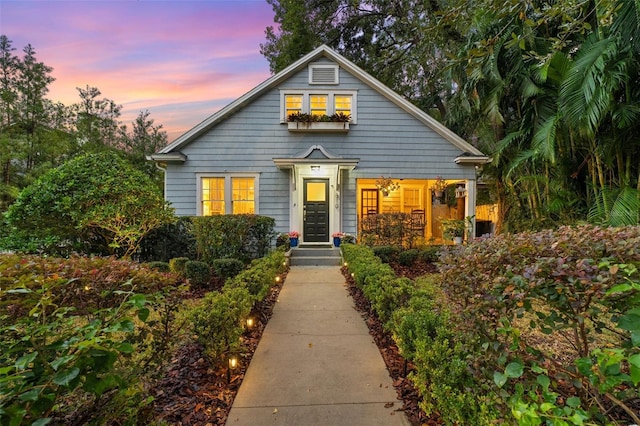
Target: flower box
x: 318, y: 126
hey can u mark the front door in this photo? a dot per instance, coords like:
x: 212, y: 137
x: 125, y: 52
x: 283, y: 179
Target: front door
x: 316, y: 211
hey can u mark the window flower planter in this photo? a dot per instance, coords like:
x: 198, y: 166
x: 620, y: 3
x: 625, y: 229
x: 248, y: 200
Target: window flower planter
x: 303, y: 122
x: 318, y: 126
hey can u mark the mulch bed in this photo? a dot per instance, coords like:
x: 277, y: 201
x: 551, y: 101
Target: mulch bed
x: 193, y: 393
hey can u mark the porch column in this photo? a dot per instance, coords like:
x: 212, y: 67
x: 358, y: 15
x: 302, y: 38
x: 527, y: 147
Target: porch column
x: 470, y: 204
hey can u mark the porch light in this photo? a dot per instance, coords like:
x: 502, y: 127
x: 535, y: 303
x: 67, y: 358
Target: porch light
x: 387, y: 185
x: 315, y: 169
x: 461, y: 192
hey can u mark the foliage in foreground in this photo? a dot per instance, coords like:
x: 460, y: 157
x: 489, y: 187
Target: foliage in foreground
x: 90, y: 203
x: 523, y: 329
x: 218, y: 320
x: 76, y: 336
x: 555, y: 316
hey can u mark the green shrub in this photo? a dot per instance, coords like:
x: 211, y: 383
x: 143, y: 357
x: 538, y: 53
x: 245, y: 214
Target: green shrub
x: 227, y: 268
x: 388, y: 229
x: 408, y: 257
x: 171, y: 240
x: 59, y: 212
x: 177, y: 265
x: 218, y: 319
x: 67, y: 332
x: 430, y: 254
x: 159, y: 266
x: 522, y: 296
x: 260, y: 276
x: 198, y: 273
x: 243, y: 237
x: 86, y: 284
x: 387, y: 254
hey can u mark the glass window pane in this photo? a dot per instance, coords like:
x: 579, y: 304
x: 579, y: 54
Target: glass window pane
x: 316, y: 191
x: 213, y: 196
x: 243, y: 195
x: 318, y: 104
x: 343, y: 104
x: 293, y: 104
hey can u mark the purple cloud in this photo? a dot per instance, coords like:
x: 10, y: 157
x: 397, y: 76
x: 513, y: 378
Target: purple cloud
x: 181, y: 60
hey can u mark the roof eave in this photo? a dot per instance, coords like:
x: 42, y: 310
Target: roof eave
x: 173, y: 157
x: 472, y: 159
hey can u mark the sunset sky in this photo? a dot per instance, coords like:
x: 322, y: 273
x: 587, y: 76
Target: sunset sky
x: 181, y: 60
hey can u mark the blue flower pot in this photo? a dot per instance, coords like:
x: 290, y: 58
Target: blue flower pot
x: 336, y: 241
x: 293, y: 242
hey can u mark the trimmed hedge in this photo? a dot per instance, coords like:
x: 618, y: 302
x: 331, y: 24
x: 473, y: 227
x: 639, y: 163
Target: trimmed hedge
x: 227, y: 268
x: 416, y: 316
x: 198, y: 273
x: 245, y: 237
x: 219, y: 319
x: 520, y: 329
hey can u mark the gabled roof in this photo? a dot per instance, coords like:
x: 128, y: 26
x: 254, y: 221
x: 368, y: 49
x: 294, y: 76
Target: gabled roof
x: 277, y: 79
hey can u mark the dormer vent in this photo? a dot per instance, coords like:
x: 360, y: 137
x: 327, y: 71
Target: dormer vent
x: 323, y: 74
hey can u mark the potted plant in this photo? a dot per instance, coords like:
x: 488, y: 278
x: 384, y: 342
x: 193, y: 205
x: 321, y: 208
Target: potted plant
x: 337, y: 238
x: 453, y: 229
x: 293, y: 238
x: 439, y: 186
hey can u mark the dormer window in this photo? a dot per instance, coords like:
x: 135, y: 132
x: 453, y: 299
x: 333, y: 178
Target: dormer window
x: 318, y: 103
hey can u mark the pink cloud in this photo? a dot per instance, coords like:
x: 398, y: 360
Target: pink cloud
x: 194, y: 56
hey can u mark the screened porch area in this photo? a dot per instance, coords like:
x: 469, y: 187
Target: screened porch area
x: 424, y: 202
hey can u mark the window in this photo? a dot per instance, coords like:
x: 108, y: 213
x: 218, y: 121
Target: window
x: 319, y: 102
x: 243, y: 193
x: 293, y: 104
x: 342, y: 104
x: 318, y: 105
x: 227, y: 195
x: 212, y: 196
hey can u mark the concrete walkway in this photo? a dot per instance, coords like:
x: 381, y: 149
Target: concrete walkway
x: 316, y: 363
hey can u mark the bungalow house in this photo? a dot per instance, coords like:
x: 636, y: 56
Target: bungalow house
x: 320, y: 147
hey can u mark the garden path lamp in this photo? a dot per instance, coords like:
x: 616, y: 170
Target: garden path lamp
x: 233, y: 365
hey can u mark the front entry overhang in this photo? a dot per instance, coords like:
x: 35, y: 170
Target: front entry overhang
x: 316, y: 155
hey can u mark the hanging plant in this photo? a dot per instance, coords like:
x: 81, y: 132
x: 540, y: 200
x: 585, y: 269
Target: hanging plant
x: 387, y: 185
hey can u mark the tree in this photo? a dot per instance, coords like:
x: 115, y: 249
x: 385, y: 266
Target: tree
x: 29, y: 139
x: 97, y: 120
x: 144, y: 139
x: 94, y: 196
x: 396, y: 41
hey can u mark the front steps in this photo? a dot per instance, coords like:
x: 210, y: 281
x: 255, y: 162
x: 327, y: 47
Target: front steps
x: 315, y: 256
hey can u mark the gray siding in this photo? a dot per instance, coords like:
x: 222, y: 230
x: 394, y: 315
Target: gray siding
x: 387, y: 140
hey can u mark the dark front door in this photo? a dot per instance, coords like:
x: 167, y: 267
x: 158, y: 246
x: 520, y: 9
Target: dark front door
x: 316, y: 211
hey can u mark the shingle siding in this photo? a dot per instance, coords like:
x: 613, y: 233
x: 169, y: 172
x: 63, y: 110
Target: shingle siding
x: 387, y: 140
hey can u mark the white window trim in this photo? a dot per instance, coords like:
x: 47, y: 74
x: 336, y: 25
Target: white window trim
x: 306, y: 105
x: 228, y: 203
